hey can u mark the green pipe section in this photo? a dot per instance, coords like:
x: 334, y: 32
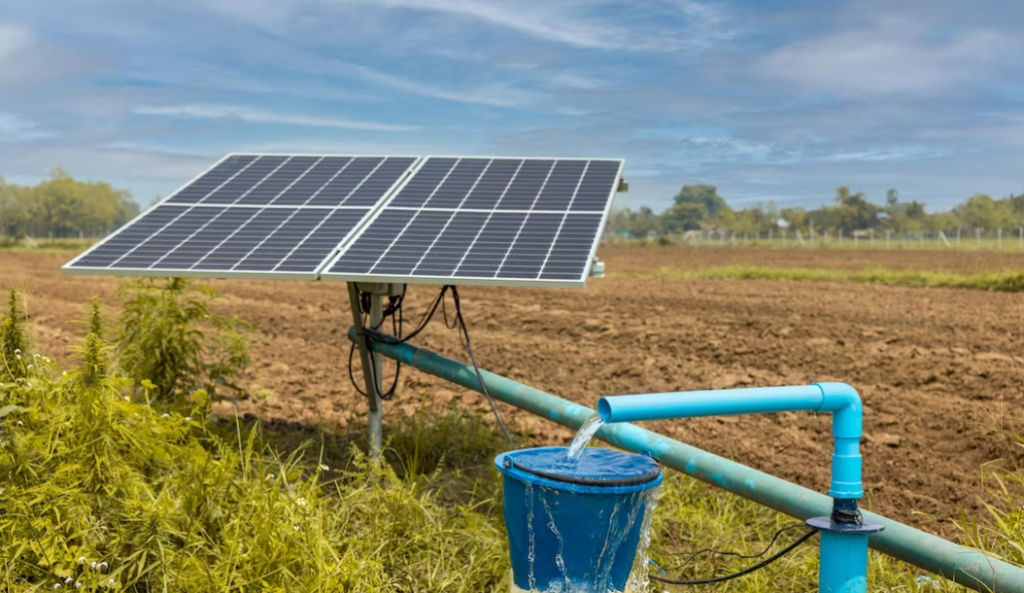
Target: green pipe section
x: 960, y: 564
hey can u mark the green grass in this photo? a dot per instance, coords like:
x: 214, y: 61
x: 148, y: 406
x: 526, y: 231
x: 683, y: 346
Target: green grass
x: 1001, y: 281
x: 1009, y: 244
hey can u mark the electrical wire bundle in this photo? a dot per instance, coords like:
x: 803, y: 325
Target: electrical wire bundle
x: 718, y: 579
x: 393, y: 310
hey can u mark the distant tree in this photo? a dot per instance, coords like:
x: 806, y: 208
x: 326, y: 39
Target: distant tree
x: 685, y: 216
x: 854, y: 211
x: 705, y: 195
x: 979, y: 212
x: 892, y: 197
x: 61, y: 206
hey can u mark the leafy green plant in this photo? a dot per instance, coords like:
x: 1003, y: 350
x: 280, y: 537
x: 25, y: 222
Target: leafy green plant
x: 169, y: 334
x: 12, y: 340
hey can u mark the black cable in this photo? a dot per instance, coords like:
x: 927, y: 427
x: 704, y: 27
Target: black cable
x: 810, y: 533
x: 461, y: 321
x: 690, y: 556
x: 458, y: 321
x: 394, y: 311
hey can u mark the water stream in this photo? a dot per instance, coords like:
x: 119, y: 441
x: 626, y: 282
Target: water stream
x: 582, y: 438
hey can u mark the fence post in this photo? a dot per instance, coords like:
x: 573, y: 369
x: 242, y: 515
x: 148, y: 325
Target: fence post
x: 888, y: 237
x: 840, y: 237
x: 977, y: 236
x: 958, y: 238
x: 1021, y: 232
x: 921, y: 236
x: 999, y: 239
x: 871, y: 236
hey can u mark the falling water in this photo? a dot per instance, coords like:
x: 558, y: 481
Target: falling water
x: 532, y: 555
x: 640, y: 577
x: 586, y: 432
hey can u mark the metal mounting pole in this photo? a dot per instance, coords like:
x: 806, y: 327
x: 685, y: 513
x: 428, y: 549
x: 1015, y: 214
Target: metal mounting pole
x: 372, y: 361
x: 371, y: 378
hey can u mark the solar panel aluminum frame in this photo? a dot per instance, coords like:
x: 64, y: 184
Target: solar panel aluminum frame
x: 243, y: 275
x: 472, y: 280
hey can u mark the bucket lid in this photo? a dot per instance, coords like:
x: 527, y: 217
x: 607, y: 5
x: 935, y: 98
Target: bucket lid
x: 595, y: 467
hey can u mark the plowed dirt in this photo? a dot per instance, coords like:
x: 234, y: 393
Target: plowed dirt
x: 941, y: 371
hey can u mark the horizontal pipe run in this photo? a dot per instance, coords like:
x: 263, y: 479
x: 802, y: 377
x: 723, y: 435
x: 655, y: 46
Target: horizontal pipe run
x: 963, y: 565
x: 724, y: 402
x: 838, y: 398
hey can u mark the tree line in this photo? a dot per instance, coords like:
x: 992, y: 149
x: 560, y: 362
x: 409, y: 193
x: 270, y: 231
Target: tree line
x: 700, y: 207
x: 62, y: 206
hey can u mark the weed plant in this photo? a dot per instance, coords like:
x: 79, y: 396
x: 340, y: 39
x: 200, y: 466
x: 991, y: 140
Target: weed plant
x: 169, y: 334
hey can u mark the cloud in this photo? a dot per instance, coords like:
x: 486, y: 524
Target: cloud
x: 573, y: 23
x: 205, y: 111
x: 883, y: 60
x: 13, y: 40
x: 16, y: 128
x: 496, y: 95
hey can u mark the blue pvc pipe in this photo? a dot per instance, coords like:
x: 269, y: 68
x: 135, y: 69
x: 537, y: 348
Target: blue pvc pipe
x: 838, y: 398
x: 970, y: 567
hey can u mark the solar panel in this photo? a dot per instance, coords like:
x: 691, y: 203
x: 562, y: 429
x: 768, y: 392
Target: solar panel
x: 505, y: 221
x: 251, y: 216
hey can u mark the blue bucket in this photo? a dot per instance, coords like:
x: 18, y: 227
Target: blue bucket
x: 575, y: 526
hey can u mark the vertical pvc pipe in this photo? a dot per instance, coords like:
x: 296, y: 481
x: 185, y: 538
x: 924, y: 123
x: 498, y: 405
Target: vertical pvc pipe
x: 843, y: 563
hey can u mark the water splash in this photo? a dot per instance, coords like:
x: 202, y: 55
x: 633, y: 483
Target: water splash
x: 559, y: 559
x: 639, y: 577
x: 619, y: 537
x: 532, y: 552
x: 586, y: 432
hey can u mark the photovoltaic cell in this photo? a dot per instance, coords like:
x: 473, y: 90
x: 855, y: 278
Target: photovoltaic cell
x: 251, y: 215
x: 481, y: 220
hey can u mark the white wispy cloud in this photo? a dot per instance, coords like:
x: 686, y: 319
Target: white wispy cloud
x: 13, y: 40
x: 249, y: 114
x: 17, y: 128
x: 497, y: 94
x: 576, y: 23
x: 883, y: 60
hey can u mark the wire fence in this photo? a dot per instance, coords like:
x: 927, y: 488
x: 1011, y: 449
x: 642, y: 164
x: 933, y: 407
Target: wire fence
x: 963, y: 240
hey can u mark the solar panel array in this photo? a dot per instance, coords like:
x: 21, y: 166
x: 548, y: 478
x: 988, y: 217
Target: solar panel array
x: 251, y: 215
x: 486, y: 221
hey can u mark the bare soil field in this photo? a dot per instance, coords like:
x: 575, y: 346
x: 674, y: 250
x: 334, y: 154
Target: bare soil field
x: 941, y: 371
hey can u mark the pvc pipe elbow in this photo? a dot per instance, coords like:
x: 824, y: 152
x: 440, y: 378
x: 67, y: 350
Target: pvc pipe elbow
x: 847, y: 410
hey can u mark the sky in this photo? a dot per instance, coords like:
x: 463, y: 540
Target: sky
x: 767, y: 100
